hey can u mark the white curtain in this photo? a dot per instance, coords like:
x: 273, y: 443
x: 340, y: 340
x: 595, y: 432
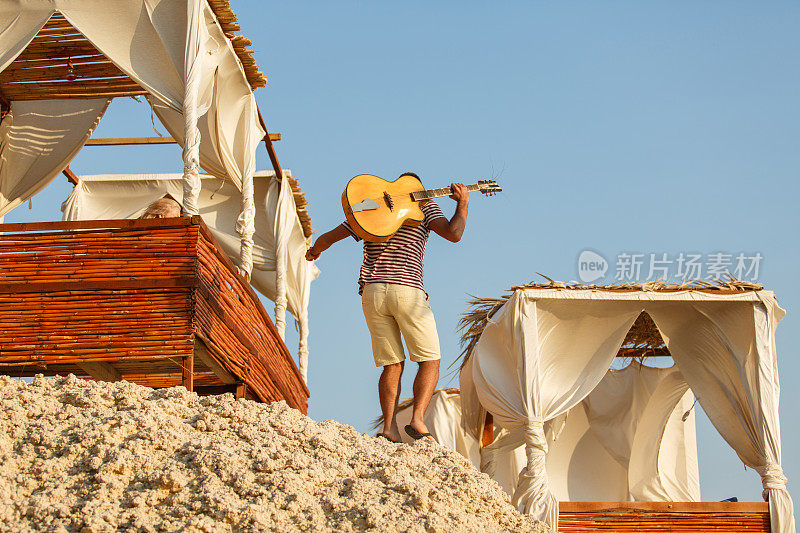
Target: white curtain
x: 122, y: 196
x: 628, y: 441
x: 38, y: 139
x: 536, y: 360
x: 631, y: 439
x: 663, y: 461
x: 727, y: 353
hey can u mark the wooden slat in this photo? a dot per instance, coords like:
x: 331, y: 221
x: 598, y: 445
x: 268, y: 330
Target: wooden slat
x: 128, y: 141
x: 110, y: 284
x: 75, y: 89
x: 63, y: 226
x: 654, y: 517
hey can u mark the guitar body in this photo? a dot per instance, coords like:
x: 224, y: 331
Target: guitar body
x: 379, y: 224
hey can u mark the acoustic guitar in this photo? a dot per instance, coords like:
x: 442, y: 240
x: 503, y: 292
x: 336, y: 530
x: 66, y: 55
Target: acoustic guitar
x: 376, y: 208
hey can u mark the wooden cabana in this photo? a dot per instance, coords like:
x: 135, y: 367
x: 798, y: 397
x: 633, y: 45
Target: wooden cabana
x: 586, y: 448
x: 61, y: 64
x: 179, y: 315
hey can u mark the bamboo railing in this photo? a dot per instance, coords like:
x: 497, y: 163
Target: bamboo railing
x: 154, y: 302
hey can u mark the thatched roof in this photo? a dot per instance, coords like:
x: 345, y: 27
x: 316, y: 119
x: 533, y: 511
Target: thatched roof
x: 301, y: 204
x: 642, y: 340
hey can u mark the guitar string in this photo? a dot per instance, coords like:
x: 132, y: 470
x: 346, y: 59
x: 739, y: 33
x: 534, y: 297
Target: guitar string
x: 404, y: 195
x: 443, y: 193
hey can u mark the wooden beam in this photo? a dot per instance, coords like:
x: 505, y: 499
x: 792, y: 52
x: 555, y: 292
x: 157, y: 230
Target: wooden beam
x: 130, y: 141
x: 643, y: 352
x: 73, y: 179
x: 276, y: 166
x: 101, y: 371
x: 207, y: 359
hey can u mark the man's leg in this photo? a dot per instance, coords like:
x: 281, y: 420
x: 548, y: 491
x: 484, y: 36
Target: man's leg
x: 389, y: 394
x: 418, y: 326
x: 387, y: 349
x: 424, y: 385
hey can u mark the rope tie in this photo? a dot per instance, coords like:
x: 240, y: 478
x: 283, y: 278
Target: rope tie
x: 772, y: 478
x: 535, y: 446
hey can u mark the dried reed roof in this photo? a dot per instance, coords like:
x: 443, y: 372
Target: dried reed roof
x: 39, y: 71
x: 301, y: 205
x: 643, y: 338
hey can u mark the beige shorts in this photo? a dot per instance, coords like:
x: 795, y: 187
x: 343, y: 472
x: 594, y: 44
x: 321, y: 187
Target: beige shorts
x: 392, y: 310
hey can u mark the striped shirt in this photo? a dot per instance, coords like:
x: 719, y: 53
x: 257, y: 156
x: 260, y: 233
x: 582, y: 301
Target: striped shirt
x: 398, y: 260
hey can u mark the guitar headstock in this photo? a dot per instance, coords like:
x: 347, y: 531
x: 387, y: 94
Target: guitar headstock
x: 489, y: 187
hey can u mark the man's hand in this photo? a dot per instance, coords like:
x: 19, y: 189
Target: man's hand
x: 460, y: 193
x: 453, y: 229
x: 312, y: 254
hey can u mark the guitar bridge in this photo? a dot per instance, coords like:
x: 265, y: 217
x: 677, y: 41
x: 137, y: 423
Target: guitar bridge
x: 388, y: 199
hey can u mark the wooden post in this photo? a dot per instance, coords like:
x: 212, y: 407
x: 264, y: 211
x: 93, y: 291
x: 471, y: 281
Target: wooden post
x: 488, y: 430
x: 187, y: 372
x: 280, y: 263
x: 276, y: 166
x: 241, y: 390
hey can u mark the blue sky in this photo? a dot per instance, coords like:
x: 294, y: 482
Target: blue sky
x: 613, y: 126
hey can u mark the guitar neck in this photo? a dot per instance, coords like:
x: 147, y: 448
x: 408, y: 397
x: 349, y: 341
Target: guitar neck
x: 430, y: 194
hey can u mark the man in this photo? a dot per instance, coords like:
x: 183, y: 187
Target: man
x: 164, y: 207
x: 395, y: 304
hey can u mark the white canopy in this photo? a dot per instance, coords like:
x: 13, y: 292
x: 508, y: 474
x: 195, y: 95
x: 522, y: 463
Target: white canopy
x: 546, y: 350
x: 177, y: 52
x: 278, y: 239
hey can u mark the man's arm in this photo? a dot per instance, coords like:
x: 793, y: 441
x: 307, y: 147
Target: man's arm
x: 453, y: 229
x: 325, y: 241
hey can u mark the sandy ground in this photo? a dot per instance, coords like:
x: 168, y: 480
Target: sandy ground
x: 91, y: 457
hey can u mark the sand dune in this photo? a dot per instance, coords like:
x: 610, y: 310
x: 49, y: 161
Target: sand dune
x: 91, y: 457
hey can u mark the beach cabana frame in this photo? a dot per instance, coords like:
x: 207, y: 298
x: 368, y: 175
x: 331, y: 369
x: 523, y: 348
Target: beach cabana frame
x: 536, y: 353
x: 61, y: 63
